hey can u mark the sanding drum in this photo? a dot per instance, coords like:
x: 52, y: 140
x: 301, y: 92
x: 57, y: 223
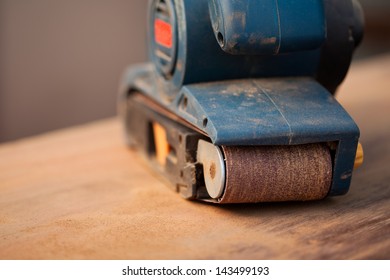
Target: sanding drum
x: 241, y: 174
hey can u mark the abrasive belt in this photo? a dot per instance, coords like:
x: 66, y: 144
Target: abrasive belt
x: 276, y: 173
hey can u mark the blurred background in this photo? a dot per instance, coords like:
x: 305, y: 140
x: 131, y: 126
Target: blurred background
x: 61, y: 61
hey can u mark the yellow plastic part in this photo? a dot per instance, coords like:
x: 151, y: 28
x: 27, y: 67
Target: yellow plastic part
x: 359, y: 156
x: 161, y: 143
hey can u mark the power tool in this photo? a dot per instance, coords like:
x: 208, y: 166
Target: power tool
x: 237, y: 102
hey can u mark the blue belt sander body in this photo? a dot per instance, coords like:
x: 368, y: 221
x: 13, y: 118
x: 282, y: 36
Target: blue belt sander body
x: 237, y: 104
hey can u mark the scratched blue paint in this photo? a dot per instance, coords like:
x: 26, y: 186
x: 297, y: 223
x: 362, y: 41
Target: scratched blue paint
x: 268, y: 27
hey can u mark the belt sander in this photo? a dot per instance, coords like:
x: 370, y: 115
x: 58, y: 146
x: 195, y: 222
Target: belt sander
x: 237, y: 104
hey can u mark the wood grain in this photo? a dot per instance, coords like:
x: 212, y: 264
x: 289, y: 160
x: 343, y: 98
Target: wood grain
x: 79, y: 193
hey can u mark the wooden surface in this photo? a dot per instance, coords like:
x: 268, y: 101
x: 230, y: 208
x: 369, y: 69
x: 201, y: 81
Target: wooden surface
x: 80, y: 193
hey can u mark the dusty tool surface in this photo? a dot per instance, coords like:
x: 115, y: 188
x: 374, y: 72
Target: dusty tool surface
x: 80, y: 193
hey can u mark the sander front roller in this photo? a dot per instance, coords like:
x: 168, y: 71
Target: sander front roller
x: 237, y: 105
x: 236, y: 174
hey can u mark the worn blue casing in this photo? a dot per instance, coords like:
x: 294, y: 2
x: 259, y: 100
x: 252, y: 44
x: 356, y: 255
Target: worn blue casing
x: 199, y: 58
x: 268, y: 27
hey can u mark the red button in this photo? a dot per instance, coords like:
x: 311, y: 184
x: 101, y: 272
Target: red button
x: 163, y: 33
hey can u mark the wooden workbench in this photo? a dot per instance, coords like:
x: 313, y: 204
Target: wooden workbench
x: 79, y: 193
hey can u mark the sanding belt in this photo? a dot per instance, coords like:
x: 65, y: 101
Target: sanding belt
x: 276, y: 173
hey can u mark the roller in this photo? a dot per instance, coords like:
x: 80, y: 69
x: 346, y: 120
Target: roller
x: 237, y: 104
x: 266, y: 173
